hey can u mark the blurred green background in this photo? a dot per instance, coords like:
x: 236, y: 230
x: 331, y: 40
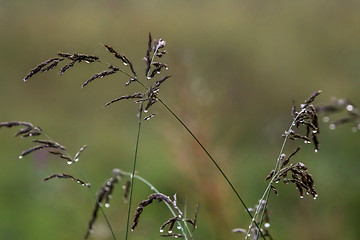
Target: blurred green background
x: 236, y: 67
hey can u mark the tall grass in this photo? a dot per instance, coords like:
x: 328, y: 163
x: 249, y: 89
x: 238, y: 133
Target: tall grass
x: 304, y: 127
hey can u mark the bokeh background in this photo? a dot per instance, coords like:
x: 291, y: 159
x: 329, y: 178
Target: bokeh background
x: 236, y: 66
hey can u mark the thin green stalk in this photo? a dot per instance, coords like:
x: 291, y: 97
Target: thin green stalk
x: 213, y: 161
x: 132, y: 175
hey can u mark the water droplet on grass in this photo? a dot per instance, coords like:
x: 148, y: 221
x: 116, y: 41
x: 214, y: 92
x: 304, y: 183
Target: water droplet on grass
x: 349, y: 107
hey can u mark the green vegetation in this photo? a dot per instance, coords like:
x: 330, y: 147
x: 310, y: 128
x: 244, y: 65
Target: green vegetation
x: 235, y: 68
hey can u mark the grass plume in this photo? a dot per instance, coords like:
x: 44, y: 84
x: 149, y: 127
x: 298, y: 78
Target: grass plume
x: 307, y: 118
x: 64, y: 175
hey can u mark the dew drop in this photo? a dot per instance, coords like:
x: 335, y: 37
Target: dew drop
x: 20, y: 157
x: 316, y: 150
x: 107, y: 205
x: 145, y: 110
x: 152, y: 188
x: 315, y: 197
x: 69, y: 162
x: 307, y: 142
x: 326, y: 119
x: 170, y: 231
x: 332, y: 126
x: 76, y: 159
x: 148, y: 77
x: 301, y: 197
x: 349, y: 107
x: 167, y: 68
x: 178, y: 227
x: 267, y: 225
x: 132, y: 230
x: 161, y: 230
x: 125, y: 64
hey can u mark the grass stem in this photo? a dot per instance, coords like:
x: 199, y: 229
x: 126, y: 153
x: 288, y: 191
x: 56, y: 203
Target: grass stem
x: 132, y: 176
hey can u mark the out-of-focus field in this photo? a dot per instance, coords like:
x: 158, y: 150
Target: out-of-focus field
x: 236, y: 66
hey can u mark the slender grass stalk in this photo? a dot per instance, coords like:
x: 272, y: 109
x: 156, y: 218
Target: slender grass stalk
x: 212, y: 160
x: 132, y: 176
